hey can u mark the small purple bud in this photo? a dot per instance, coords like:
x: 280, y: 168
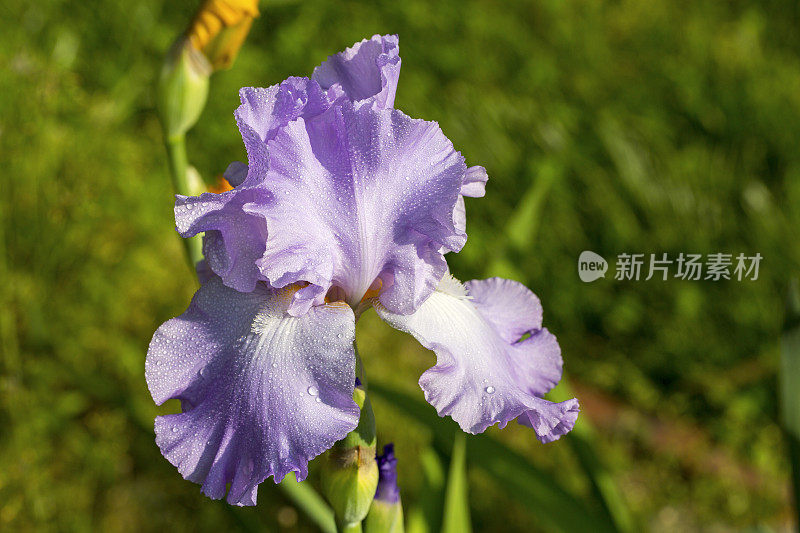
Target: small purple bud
x: 388, y: 490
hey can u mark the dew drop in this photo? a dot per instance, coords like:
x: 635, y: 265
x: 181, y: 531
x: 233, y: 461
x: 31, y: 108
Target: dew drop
x: 312, y: 390
x: 174, y: 430
x: 489, y: 390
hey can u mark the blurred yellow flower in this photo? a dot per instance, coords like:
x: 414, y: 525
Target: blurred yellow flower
x: 220, y: 27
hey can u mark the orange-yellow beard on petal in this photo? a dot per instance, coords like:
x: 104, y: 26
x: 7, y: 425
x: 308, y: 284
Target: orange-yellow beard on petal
x: 373, y: 291
x: 337, y: 295
x: 285, y: 295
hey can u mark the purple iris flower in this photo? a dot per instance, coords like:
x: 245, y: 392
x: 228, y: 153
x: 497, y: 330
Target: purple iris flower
x: 345, y: 202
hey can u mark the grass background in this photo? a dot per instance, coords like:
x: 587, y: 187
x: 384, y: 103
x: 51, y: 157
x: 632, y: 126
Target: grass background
x: 616, y: 126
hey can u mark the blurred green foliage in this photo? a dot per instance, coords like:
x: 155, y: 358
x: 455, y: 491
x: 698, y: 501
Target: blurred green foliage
x: 620, y: 126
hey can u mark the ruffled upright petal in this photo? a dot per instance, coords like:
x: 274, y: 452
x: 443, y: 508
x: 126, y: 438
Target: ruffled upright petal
x: 262, y: 392
x: 264, y: 111
x: 361, y: 195
x: 233, y: 240
x: 486, y: 371
x: 369, y: 69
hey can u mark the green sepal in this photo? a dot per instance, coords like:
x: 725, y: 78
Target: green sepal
x: 384, y: 517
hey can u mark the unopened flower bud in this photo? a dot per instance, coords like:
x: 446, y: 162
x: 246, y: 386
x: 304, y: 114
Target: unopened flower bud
x: 386, y: 513
x: 210, y: 43
x: 182, y: 88
x: 350, y: 471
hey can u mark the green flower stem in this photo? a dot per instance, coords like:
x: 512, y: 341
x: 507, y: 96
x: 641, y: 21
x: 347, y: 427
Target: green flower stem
x: 178, y: 167
x: 178, y: 163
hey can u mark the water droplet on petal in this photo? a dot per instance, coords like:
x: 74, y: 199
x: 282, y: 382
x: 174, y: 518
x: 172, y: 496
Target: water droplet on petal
x: 312, y: 390
x: 489, y: 390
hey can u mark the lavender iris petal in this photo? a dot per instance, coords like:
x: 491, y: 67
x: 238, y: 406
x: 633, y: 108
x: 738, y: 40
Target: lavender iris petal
x: 337, y: 194
x: 485, y: 373
x: 368, y: 70
x: 360, y: 194
x: 233, y: 240
x: 262, y: 392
